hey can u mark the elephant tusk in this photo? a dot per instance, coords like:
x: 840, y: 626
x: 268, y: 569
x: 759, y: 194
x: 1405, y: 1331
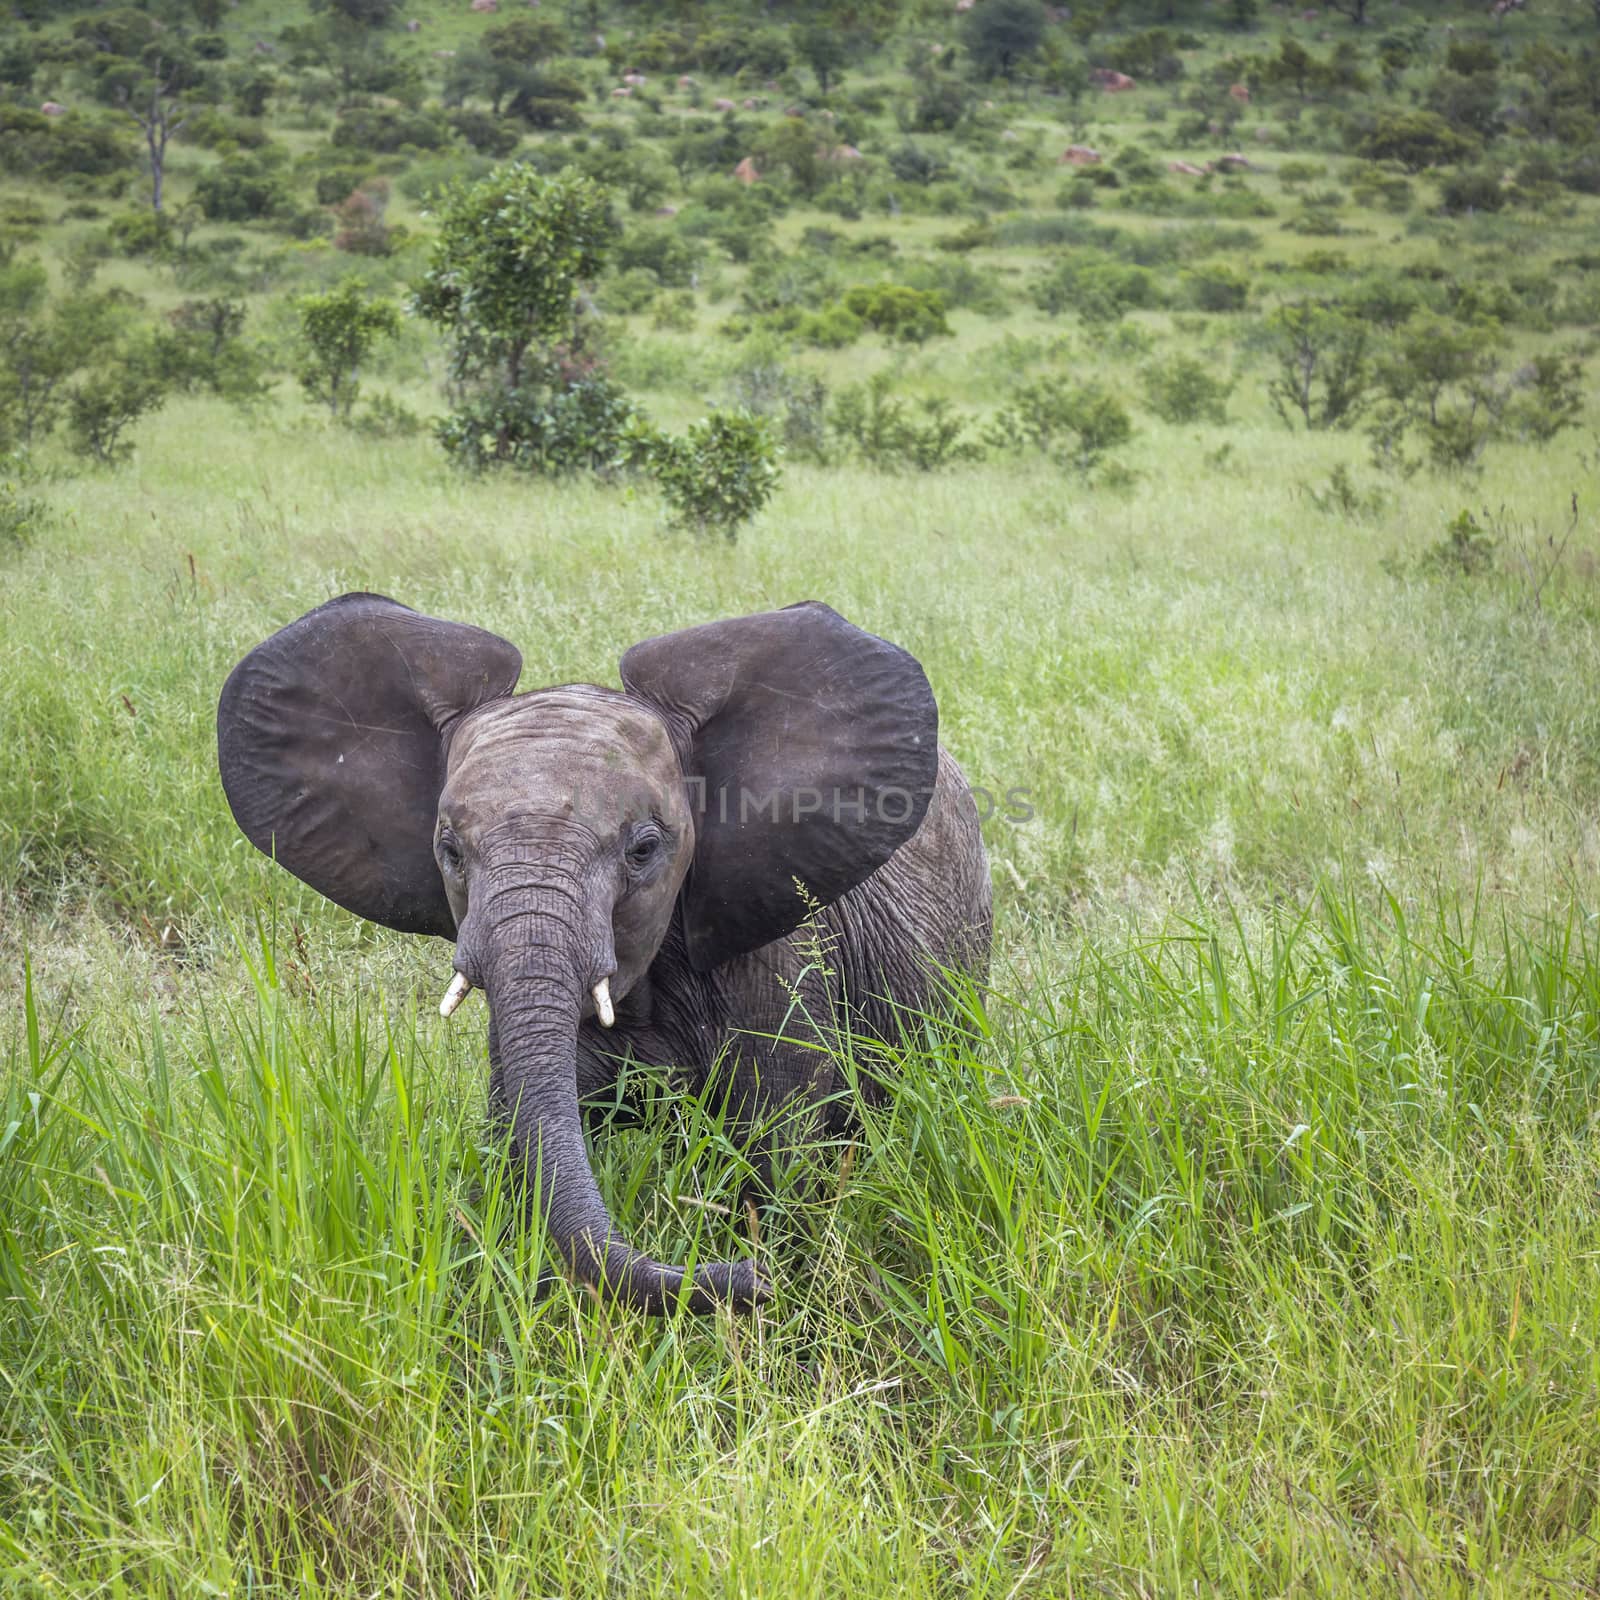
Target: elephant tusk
x: 453, y: 996
x: 602, y: 1003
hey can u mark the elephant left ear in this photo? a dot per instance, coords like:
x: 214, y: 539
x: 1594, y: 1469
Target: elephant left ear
x: 810, y: 748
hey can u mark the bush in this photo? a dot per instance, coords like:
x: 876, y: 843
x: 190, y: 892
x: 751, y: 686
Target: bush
x: 1472, y: 189
x: 909, y: 316
x: 719, y: 474
x: 1078, y: 423
x: 21, y: 514
x: 1183, y: 390
x: 1415, y: 139
x: 339, y: 330
x: 1324, y: 372
x: 104, y: 404
x: 1216, y: 288
x: 875, y: 424
x: 563, y: 417
x: 387, y: 129
x: 244, y: 188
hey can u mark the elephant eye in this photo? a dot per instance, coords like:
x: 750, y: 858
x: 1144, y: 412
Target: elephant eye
x: 644, y: 847
x: 450, y: 854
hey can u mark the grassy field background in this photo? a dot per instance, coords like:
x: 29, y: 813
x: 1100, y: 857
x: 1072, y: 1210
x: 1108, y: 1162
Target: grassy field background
x: 1252, y: 1248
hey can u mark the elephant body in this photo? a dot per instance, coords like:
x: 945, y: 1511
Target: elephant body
x: 760, y: 1029
x: 752, y: 851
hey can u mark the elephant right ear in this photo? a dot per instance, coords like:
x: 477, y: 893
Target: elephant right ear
x: 330, y: 742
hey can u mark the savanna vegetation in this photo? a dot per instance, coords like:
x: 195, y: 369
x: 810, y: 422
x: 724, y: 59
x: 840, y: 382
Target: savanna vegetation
x: 1205, y: 393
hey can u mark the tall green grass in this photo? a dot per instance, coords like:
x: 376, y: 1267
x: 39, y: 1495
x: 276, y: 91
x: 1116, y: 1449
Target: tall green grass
x: 1246, y: 1261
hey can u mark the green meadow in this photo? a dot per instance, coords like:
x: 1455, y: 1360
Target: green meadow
x: 1245, y: 1240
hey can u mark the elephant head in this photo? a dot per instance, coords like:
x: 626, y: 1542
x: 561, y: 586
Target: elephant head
x: 381, y: 756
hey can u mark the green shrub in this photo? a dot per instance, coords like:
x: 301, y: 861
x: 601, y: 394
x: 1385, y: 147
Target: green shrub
x: 1414, y: 139
x: 718, y: 474
x: 1215, y: 287
x: 875, y: 424
x: 339, y: 330
x: 1473, y: 189
x: 835, y: 327
x: 1076, y: 422
x: 244, y: 188
x: 562, y: 417
x: 1182, y: 390
x: 909, y: 316
x: 107, y: 401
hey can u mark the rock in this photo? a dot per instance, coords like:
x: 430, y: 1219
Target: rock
x: 1009, y: 135
x: 1263, y: 135
x: 963, y: 5
x: 1234, y: 162
x: 794, y: 111
x: 413, y: 26
x: 485, y: 5
x: 1237, y: 91
x: 53, y: 108
x: 746, y: 171
x: 666, y: 211
x: 1078, y: 155
x: 634, y: 80
x: 1187, y: 169
x: 723, y: 105
x: 620, y: 93
x: 753, y: 104
x: 1111, y: 82
x: 686, y: 82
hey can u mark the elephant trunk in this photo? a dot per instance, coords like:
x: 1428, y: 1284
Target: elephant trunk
x: 535, y: 981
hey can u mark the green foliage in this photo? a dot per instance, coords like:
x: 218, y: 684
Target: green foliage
x: 105, y: 402
x: 1323, y: 365
x: 246, y: 187
x: 882, y: 430
x: 563, y: 416
x: 512, y: 252
x: 1077, y: 423
x: 908, y: 316
x: 1096, y: 286
x: 825, y: 48
x: 1414, y: 139
x: 1467, y: 548
x: 339, y: 330
x: 22, y: 515
x: 1002, y: 34
x: 718, y: 474
x: 1183, y: 390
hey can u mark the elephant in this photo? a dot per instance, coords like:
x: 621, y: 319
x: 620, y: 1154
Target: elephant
x: 753, y: 848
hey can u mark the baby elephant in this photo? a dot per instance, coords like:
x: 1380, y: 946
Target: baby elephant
x: 643, y: 875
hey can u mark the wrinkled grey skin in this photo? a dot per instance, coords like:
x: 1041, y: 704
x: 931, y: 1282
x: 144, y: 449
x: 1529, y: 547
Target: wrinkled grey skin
x: 563, y: 836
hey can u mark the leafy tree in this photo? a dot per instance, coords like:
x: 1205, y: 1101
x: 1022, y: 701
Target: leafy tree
x: 513, y: 252
x: 1324, y: 371
x: 825, y: 48
x: 1183, y: 390
x: 107, y: 401
x: 364, y: 13
x: 157, y: 109
x: 340, y: 329
x: 1416, y: 139
x: 719, y: 474
x: 1001, y: 33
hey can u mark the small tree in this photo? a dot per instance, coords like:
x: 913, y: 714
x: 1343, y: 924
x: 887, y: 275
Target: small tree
x: 341, y: 329
x: 825, y: 49
x: 1324, y: 375
x: 159, y: 115
x: 512, y: 254
x: 1001, y: 33
x: 106, y: 402
x: 719, y: 474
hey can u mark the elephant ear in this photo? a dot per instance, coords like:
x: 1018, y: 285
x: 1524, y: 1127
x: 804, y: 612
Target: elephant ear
x: 810, y: 748
x: 330, y: 742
